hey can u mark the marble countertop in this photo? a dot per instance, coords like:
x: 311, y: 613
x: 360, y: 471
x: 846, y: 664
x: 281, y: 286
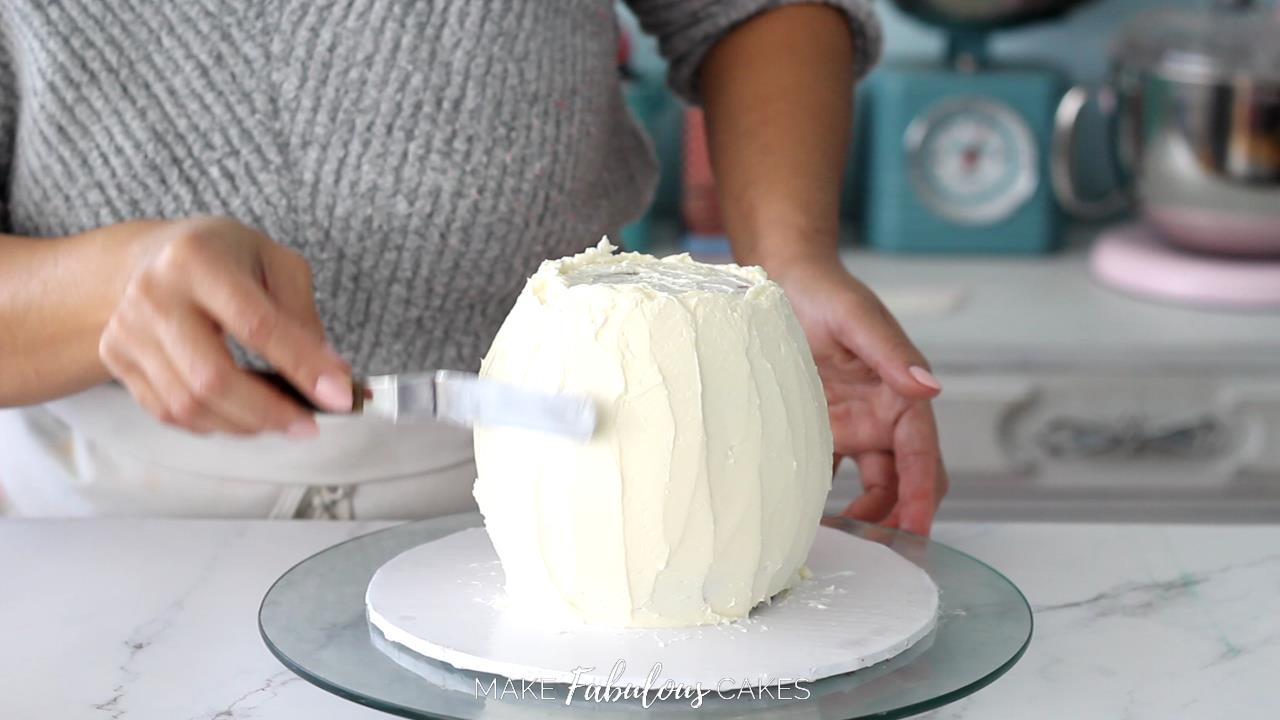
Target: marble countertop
x: 157, y: 619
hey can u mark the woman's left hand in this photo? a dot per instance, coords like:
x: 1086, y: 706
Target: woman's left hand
x: 878, y: 390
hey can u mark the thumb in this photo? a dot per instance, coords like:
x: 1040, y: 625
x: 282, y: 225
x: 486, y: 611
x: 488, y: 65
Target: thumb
x: 872, y: 334
x: 287, y: 280
x: 287, y: 277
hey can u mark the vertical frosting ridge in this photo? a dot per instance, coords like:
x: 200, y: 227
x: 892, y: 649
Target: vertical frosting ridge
x: 700, y: 494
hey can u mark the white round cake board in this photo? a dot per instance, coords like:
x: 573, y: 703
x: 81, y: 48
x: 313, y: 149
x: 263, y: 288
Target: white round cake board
x: 863, y: 604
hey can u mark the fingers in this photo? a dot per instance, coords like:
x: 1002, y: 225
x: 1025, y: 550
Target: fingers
x: 894, y: 520
x: 879, y: 487
x: 918, y: 462
x: 231, y: 284
x: 856, y: 427
x: 288, y: 279
x: 243, y: 309
x: 138, y: 386
x: 186, y: 409
x: 873, y: 335
x: 143, y: 367
x: 165, y: 340
x: 841, y: 368
x: 210, y: 374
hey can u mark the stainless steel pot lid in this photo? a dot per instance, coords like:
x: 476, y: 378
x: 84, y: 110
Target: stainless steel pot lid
x: 1225, y: 41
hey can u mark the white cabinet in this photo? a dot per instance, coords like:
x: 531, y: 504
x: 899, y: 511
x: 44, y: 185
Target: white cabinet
x: 1065, y: 400
x: 1107, y: 446
x: 1255, y: 405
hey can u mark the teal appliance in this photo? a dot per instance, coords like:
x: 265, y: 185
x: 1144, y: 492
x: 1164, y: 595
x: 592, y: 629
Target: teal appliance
x: 957, y: 154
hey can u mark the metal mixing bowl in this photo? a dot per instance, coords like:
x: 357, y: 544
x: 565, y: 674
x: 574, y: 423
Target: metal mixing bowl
x: 984, y: 14
x: 1195, y: 107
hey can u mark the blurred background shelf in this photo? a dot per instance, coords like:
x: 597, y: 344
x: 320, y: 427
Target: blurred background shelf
x: 1067, y: 400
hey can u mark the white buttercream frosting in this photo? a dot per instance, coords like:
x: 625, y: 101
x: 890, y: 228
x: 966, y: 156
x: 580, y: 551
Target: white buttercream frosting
x: 699, y: 496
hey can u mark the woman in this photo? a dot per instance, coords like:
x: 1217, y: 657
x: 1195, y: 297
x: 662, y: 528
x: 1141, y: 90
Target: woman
x: 185, y: 176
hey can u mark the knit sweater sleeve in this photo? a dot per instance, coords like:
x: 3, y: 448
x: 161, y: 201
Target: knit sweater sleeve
x: 8, y: 125
x: 687, y: 29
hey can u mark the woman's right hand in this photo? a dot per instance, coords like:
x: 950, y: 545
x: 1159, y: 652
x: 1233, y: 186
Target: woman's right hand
x: 195, y: 280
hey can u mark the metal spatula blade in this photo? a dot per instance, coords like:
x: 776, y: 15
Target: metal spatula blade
x: 461, y: 398
x: 466, y: 399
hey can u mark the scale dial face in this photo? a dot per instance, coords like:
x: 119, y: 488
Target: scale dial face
x: 973, y: 161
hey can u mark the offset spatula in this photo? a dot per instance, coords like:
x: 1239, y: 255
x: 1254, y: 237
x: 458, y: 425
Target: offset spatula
x: 462, y: 399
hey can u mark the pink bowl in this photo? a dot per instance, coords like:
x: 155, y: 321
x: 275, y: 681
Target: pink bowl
x: 1133, y: 259
x: 1214, y: 231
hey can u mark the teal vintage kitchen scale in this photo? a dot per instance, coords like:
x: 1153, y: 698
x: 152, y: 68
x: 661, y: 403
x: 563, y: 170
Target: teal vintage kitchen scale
x: 958, y: 153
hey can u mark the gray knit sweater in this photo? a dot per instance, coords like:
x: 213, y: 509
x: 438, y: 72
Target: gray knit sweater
x: 424, y: 155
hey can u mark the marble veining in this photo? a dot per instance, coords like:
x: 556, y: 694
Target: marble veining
x: 1136, y: 621
x: 123, y: 619
x: 248, y: 704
